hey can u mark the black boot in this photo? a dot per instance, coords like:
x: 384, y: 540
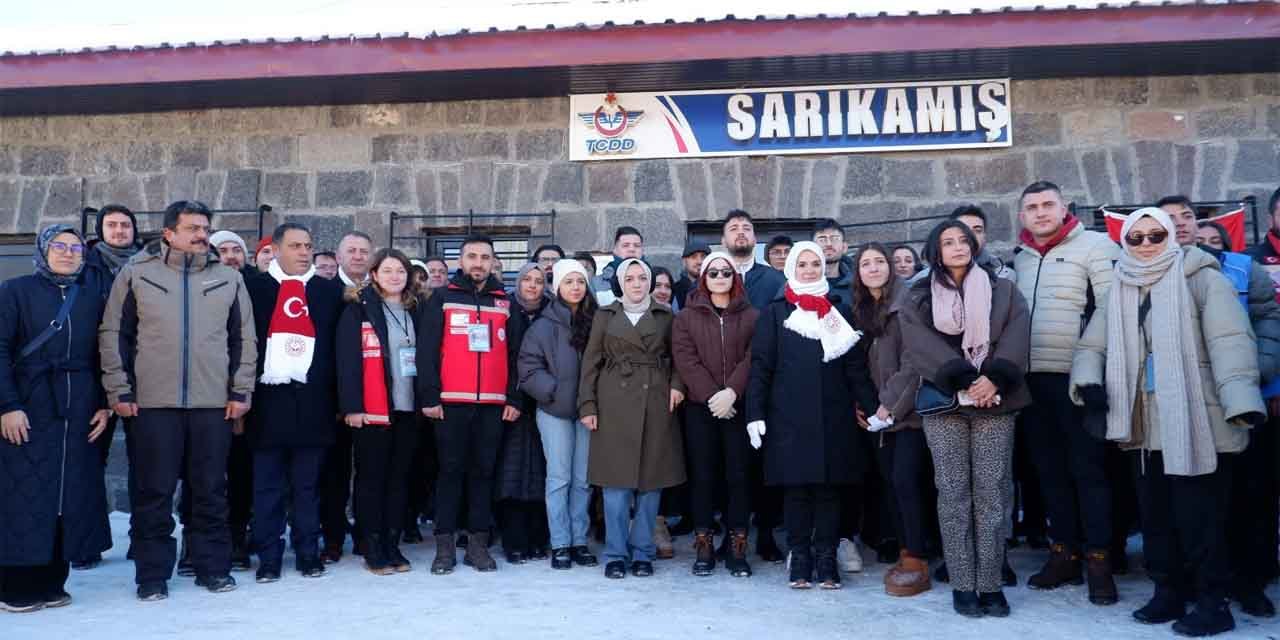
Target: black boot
x: 1102, y: 587
x: 395, y: 559
x: 477, y: 555
x: 737, y: 562
x: 1211, y: 616
x: 561, y: 558
x: 1063, y: 567
x: 993, y: 604
x: 583, y: 557
x: 240, y: 552
x: 375, y: 555
x: 801, y: 568
x: 1166, y: 605
x: 828, y: 570
x: 766, y: 546
x: 966, y: 603
x: 185, y: 568
x: 446, y: 554
x: 704, y: 562
x: 1253, y: 600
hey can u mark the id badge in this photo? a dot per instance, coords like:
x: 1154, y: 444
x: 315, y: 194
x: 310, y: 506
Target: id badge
x: 408, y: 362
x: 1150, y: 384
x: 478, y: 338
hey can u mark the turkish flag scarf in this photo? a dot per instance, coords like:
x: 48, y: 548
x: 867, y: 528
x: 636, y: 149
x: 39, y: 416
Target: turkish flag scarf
x: 291, y: 336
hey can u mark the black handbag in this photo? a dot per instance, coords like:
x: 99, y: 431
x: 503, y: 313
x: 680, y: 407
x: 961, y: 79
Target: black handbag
x: 931, y: 401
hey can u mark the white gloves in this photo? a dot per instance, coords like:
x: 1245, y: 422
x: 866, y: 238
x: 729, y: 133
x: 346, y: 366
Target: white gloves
x: 721, y: 403
x: 756, y: 431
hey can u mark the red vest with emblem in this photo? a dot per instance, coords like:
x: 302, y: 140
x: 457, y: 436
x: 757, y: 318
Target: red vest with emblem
x: 466, y: 376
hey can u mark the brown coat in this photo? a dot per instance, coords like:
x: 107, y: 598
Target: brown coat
x: 626, y: 382
x: 938, y: 359
x: 713, y: 351
x: 895, y: 379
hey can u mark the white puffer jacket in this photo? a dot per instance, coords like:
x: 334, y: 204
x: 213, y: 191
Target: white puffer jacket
x: 1056, y: 287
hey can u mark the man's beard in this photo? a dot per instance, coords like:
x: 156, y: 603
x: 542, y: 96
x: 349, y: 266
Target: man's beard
x: 478, y: 277
x: 741, y: 250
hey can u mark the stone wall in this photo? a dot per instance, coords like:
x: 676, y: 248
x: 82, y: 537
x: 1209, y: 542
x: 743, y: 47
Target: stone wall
x: 1117, y: 140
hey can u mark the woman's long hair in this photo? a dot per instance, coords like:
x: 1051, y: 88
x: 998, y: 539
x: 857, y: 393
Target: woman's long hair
x: 933, y: 252
x: 408, y: 297
x: 580, y: 320
x: 870, y: 314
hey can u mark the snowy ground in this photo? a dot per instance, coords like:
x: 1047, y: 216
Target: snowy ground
x: 533, y: 601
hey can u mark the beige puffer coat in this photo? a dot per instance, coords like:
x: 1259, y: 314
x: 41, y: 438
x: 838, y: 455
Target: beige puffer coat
x: 1228, y: 359
x: 1056, y: 287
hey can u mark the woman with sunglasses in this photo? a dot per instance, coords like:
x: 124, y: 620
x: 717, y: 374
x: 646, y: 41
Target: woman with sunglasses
x: 711, y: 344
x: 52, y: 410
x: 1168, y: 364
x: 967, y: 333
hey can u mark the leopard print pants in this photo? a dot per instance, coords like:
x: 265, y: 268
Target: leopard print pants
x: 972, y: 460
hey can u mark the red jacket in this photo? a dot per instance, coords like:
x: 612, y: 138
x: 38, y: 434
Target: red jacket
x: 449, y: 371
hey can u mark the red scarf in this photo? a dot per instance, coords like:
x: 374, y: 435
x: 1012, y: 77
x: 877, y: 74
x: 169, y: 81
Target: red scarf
x: 1274, y: 240
x: 291, y: 336
x: 817, y: 304
x: 1069, y: 223
x: 376, y: 408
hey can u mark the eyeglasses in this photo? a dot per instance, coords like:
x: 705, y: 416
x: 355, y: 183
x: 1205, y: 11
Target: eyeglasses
x: 1154, y: 237
x: 62, y: 247
x: 719, y: 273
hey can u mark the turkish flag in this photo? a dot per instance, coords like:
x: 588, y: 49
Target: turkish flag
x: 291, y: 337
x: 1232, y: 221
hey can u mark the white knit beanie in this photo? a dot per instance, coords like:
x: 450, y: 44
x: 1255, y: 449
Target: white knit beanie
x: 564, y: 267
x: 224, y: 236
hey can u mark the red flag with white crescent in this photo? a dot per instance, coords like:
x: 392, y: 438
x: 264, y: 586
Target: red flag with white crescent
x: 291, y: 336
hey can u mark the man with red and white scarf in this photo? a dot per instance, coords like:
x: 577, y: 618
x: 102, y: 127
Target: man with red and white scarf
x: 291, y: 426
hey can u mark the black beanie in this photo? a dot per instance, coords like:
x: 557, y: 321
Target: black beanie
x: 115, y: 208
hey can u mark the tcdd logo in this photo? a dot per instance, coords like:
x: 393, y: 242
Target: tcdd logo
x: 611, y: 145
x: 611, y: 120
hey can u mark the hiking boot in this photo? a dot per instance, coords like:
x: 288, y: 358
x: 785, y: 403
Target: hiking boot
x: 1102, y: 587
x: 1211, y: 616
x: 1166, y: 605
x: 704, y: 563
x: 375, y: 555
x: 446, y: 554
x: 662, y: 538
x: 477, y: 556
x: 583, y: 557
x: 737, y: 562
x: 561, y: 558
x: 642, y: 569
x: 909, y: 577
x: 615, y: 570
x: 1063, y: 567
x: 391, y: 551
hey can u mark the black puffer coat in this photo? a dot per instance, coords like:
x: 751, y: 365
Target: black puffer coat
x: 522, y: 465
x: 58, y: 387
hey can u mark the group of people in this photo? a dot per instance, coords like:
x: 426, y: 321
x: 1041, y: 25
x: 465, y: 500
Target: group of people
x: 956, y: 399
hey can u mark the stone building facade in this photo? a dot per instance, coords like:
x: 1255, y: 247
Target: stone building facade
x: 1104, y: 140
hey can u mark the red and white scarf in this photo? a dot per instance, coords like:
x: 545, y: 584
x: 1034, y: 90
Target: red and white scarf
x: 291, y: 336
x: 377, y: 409
x: 814, y: 316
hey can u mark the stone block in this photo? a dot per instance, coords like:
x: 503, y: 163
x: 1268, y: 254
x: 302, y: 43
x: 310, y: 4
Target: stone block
x: 1226, y: 87
x: 286, y: 191
x: 1122, y: 160
x: 580, y: 231
x: 824, y: 178
x: 1037, y: 129
x: 1255, y: 162
x: 464, y: 113
x: 1213, y: 166
x: 1266, y: 84
x: 1157, y: 125
x: 8, y: 162
x: 343, y: 188
x: 1229, y: 122
x: 1059, y: 167
x: 487, y: 144
x: 792, y: 187
x: 504, y: 188
x: 444, y: 147
x: 863, y: 177
x: 327, y: 231
x: 477, y: 186
x: 1273, y: 120
x: 44, y: 161
x: 1120, y: 91
x: 888, y: 216
x: 553, y: 111
x: 653, y: 181
x: 333, y: 149
x: 366, y: 116
x: 396, y: 148
x: 450, y: 191
x: 695, y: 191
x: 98, y: 159
x: 1097, y: 174
x: 30, y: 129
x: 34, y: 192
x: 392, y: 186
x: 503, y: 113
x: 1174, y: 91
x: 125, y: 190
x: 982, y: 174
x: 189, y: 155
x: 760, y: 185
x: 227, y: 153
x: 66, y: 198
x: 180, y: 184
x: 528, y: 188
x: 10, y: 199
x: 153, y: 191
x: 1092, y: 127
x: 659, y: 226
x: 608, y: 181
x: 271, y: 152
x: 145, y: 157
x: 563, y: 184
x: 1155, y: 169
x: 209, y: 187
x: 425, y: 182
x: 546, y: 144
x: 424, y: 115
x: 909, y: 177
x: 242, y: 189
x: 725, y: 194
x: 1184, y: 169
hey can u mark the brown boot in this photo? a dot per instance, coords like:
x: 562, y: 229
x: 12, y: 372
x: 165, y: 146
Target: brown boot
x: 1102, y: 588
x: 478, y: 553
x: 1063, y: 567
x: 704, y: 562
x: 662, y: 539
x: 909, y: 577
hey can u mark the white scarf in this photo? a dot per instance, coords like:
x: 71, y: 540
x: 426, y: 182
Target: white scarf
x: 831, y: 329
x: 1186, y: 435
x: 291, y: 341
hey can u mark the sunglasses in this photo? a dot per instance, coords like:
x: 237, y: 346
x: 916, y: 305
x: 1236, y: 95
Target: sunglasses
x: 62, y: 247
x: 719, y: 273
x: 1154, y: 237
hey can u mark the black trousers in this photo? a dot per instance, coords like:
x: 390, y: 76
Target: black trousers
x: 468, y: 440
x: 717, y: 449
x: 903, y: 460
x: 523, y: 524
x: 280, y: 474
x: 1071, y: 465
x: 164, y: 442
x: 335, y: 487
x: 1184, y: 521
x: 812, y: 514
x: 383, y: 458
x: 1252, y: 522
x: 767, y: 501
x: 239, y: 488
x: 1028, y: 510
x: 28, y: 583
x: 422, y: 472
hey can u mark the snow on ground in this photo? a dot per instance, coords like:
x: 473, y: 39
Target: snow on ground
x: 534, y: 601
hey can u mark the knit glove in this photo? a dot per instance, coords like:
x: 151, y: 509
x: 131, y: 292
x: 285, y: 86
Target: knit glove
x: 721, y: 403
x: 755, y: 430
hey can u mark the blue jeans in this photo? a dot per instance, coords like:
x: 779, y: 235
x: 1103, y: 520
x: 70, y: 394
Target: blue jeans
x: 627, y: 538
x: 566, y: 444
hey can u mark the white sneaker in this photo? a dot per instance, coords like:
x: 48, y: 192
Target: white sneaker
x: 849, y: 556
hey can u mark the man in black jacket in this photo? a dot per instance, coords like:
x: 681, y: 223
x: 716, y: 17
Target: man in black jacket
x: 291, y: 424
x: 694, y: 253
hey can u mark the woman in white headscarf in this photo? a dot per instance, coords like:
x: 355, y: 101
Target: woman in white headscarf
x: 1177, y: 386
x: 807, y: 371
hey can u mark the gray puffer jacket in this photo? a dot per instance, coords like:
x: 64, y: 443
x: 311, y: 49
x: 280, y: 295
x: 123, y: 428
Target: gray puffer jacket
x: 548, y: 365
x: 1228, y: 359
